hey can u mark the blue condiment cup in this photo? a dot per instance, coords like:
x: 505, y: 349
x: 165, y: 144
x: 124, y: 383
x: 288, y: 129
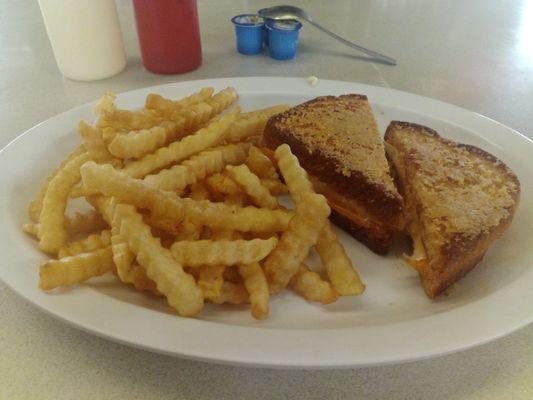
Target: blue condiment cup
x: 283, y: 38
x: 250, y: 33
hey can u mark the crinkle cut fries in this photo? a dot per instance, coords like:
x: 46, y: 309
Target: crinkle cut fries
x: 184, y: 205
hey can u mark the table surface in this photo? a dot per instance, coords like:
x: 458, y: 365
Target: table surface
x: 474, y: 54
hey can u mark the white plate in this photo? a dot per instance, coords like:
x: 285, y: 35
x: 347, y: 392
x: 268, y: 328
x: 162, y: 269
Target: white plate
x: 392, y: 322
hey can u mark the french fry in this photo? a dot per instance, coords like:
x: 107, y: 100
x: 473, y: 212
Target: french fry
x: 71, y: 270
x: 339, y: 268
x: 31, y: 229
x: 257, y: 286
x: 136, y: 144
x: 106, y: 104
x: 168, y: 225
x: 261, y: 165
x: 195, y: 115
x: 84, y: 222
x: 141, y: 282
x: 251, y: 184
x: 36, y: 204
x: 76, y: 192
x: 52, y: 233
x: 274, y: 186
x: 312, y: 287
x: 231, y: 293
x: 198, y: 167
x: 124, y: 258
x: 210, y: 280
x: 268, y: 111
x: 167, y: 107
x: 222, y: 100
x: 193, y: 118
x: 254, y: 280
x: 252, y: 124
x: 221, y: 252
x: 223, y: 184
x: 122, y: 255
x: 104, y: 207
x: 244, y: 128
x: 243, y: 219
x: 207, y: 111
x: 103, y: 179
x: 178, y: 286
x: 188, y: 230
x: 87, y: 245
x: 124, y: 120
x: 206, y: 137
x: 294, y: 245
x: 93, y: 142
x: 108, y: 134
x: 294, y: 175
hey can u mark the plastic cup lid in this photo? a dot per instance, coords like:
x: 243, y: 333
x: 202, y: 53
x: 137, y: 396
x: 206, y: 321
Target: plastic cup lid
x: 284, y: 25
x: 248, y: 19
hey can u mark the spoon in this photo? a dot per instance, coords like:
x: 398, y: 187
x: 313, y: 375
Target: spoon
x: 291, y: 12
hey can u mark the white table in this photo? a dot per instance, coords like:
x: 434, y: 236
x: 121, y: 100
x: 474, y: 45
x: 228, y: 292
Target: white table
x: 475, y: 54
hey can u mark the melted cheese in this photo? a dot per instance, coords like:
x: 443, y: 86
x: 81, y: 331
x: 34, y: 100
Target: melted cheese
x: 418, y: 260
x: 342, y: 204
x: 348, y: 207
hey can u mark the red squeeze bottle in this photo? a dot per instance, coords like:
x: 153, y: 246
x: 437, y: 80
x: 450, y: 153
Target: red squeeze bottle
x: 169, y: 35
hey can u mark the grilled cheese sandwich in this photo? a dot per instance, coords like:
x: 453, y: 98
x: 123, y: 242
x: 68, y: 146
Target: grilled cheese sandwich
x: 337, y: 141
x: 458, y: 200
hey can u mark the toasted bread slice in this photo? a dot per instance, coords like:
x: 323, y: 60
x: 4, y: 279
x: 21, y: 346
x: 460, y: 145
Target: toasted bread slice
x: 458, y: 200
x: 337, y: 141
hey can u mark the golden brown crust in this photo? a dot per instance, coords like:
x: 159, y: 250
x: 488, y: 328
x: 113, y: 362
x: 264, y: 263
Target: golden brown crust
x: 371, y: 184
x: 416, y: 128
x: 459, y: 257
x: 461, y: 198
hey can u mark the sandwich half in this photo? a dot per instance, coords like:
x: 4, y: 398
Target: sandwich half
x: 337, y: 141
x: 458, y: 200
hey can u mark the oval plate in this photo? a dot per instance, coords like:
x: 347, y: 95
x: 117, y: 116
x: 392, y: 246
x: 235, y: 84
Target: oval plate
x: 392, y: 322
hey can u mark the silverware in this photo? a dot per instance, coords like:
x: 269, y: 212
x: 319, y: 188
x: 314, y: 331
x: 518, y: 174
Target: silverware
x: 291, y: 12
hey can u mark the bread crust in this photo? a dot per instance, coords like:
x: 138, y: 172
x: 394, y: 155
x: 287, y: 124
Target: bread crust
x: 459, y: 257
x: 461, y: 252
x: 417, y: 128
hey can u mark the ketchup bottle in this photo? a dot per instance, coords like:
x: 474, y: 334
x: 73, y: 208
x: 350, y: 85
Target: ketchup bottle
x: 169, y: 35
